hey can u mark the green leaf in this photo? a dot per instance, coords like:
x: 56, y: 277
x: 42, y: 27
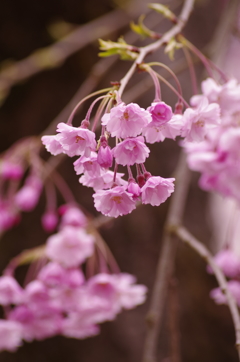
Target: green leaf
x: 124, y: 50
x: 142, y: 30
x: 164, y: 10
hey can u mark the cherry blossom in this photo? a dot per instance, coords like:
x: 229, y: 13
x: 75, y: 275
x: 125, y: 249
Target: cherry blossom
x: 104, y: 181
x: 228, y: 262
x: 52, y: 144
x: 114, y: 202
x: 161, y: 112
x: 156, y: 190
x: 71, y: 246
x: 76, y: 141
x: 126, y: 120
x: 37, y: 323
x: 131, y: 151
x: 73, y: 326
x: 220, y: 298
x: 10, y: 335
x: 157, y: 132
x: 73, y: 216
x: 89, y: 165
x: 10, y: 291
x: 197, y: 122
x: 130, y: 294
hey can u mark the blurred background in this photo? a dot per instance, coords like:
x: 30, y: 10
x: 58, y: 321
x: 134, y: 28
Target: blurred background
x: 205, y: 330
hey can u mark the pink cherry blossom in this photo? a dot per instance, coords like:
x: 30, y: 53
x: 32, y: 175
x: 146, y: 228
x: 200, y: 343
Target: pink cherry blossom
x: 131, y: 151
x: 74, y: 326
x: 220, y: 298
x: 114, y: 202
x: 156, y: 190
x: 161, y: 112
x: 156, y: 132
x: 36, y: 294
x: 226, y: 95
x: 126, y: 120
x: 55, y: 276
x: 229, y: 144
x: 197, y: 122
x: 103, y: 286
x: 116, y: 291
x: 73, y: 216
x: 102, y: 289
x: 52, y: 144
x: 104, y: 181
x: 10, y: 335
x: 228, y: 262
x: 39, y: 323
x: 70, y: 247
x: 10, y: 291
x: 130, y: 294
x: 76, y: 141
x: 89, y: 165
x: 52, y: 275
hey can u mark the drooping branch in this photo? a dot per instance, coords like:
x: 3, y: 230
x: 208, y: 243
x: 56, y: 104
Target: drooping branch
x: 201, y: 249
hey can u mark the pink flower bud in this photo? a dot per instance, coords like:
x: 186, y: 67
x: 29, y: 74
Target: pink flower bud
x: 9, y: 216
x: 105, y: 157
x: 49, y: 221
x: 72, y: 215
x: 27, y: 197
x: 134, y: 189
x: 11, y: 171
x: 161, y: 112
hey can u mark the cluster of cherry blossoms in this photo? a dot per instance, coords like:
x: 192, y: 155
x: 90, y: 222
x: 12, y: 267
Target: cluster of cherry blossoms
x: 130, y: 125
x: 60, y: 299
x: 217, y: 155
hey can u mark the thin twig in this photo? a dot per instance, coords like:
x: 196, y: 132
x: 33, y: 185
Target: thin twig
x: 173, y: 319
x: 166, y: 261
x: 201, y: 249
x: 183, y: 17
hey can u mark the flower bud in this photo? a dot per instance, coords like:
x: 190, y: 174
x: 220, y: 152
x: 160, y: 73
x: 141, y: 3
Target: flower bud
x: 49, y: 221
x: 27, y: 197
x: 105, y: 157
x: 11, y: 171
x: 134, y: 189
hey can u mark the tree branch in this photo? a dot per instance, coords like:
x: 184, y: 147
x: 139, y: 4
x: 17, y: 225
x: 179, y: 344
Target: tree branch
x: 201, y: 249
x: 183, y: 17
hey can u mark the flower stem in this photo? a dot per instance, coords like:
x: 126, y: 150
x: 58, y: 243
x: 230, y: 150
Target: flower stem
x: 70, y: 119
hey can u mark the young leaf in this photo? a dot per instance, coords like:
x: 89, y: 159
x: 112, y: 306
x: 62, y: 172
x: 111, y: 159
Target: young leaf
x: 164, y: 10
